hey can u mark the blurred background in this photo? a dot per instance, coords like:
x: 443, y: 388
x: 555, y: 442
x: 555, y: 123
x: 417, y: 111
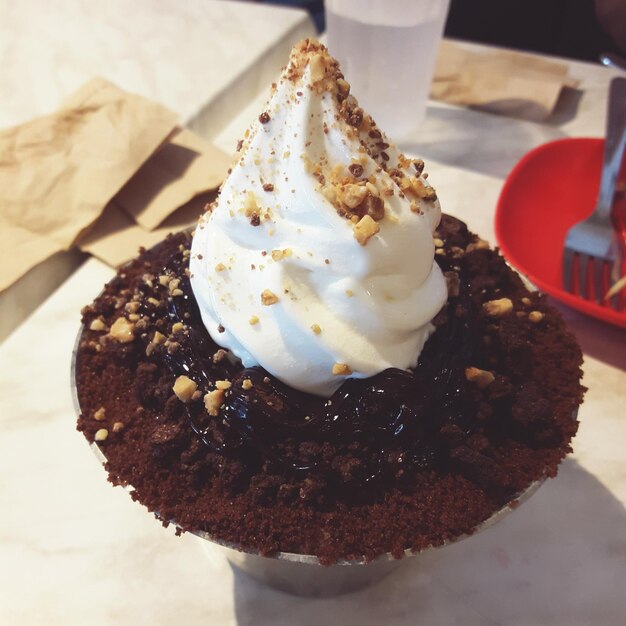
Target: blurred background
x: 578, y: 29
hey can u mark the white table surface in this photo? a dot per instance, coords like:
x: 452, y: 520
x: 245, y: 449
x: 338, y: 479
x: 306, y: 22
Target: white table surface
x: 74, y: 550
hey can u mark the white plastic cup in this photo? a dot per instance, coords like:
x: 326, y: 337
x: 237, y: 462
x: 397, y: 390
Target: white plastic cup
x: 387, y: 50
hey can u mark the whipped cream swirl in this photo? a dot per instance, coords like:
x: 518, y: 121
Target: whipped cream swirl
x: 317, y: 260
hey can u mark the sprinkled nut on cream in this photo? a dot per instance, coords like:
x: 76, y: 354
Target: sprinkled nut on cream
x: 322, y: 204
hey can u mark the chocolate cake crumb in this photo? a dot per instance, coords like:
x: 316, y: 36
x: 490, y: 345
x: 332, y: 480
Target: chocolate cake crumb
x: 512, y: 423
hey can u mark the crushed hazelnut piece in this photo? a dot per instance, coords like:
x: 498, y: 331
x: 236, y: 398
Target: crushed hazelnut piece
x: 100, y: 414
x: 318, y: 68
x: 268, y: 298
x: 498, y: 308
x: 365, y: 229
x: 372, y: 189
x: 213, y: 400
x: 278, y: 255
x: 158, y: 338
x: 184, y: 388
x: 122, y: 330
x: 526, y: 301
x: 535, y: 316
x: 178, y: 327
x: 341, y: 369
x: 222, y: 384
x: 219, y: 355
x: 246, y: 384
x: 438, y: 242
x: 117, y: 426
x: 164, y: 279
x: 352, y: 195
x: 482, y: 378
x: 97, y: 325
x: 253, y: 320
x: 220, y: 267
x: 101, y: 434
x: 316, y: 329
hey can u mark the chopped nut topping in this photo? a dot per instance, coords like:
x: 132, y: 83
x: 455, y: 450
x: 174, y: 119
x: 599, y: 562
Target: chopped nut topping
x: 535, y: 316
x: 222, y: 384
x: 101, y: 434
x: 220, y: 267
x: 164, y: 279
x: 318, y: 68
x: 117, y: 426
x: 100, y: 414
x: 158, y: 338
x: 372, y: 189
x: 97, y: 325
x: 184, y: 388
x: 247, y: 384
x: 253, y: 320
x: 352, y: 195
x: 268, y: 298
x: 365, y: 229
x: 264, y: 118
x: 341, y: 369
x: 132, y: 307
x: 316, y: 329
x: 278, y: 255
x: 178, y: 327
x: 122, y: 330
x: 213, y: 400
x: 268, y: 187
x: 526, y: 301
x: 438, y: 242
x: 482, y: 378
x: 220, y: 355
x: 498, y: 308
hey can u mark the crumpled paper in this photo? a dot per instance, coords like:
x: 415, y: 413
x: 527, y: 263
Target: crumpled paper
x: 505, y: 82
x: 60, y: 171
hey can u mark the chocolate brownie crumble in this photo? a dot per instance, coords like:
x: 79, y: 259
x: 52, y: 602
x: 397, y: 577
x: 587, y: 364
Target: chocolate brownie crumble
x: 402, y: 460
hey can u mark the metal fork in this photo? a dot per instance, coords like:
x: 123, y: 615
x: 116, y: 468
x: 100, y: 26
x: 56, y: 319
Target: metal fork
x: 592, y: 246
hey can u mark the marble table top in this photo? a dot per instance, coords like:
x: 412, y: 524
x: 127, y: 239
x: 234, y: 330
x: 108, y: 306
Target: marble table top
x: 74, y: 550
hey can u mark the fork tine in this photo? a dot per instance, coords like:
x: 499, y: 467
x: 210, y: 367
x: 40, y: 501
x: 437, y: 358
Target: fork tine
x: 568, y: 263
x: 599, y: 290
x: 583, y: 262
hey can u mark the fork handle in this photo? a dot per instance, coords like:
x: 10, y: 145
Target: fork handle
x: 613, y: 146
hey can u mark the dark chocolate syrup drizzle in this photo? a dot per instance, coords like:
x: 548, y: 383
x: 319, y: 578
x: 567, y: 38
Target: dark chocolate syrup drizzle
x: 392, y: 420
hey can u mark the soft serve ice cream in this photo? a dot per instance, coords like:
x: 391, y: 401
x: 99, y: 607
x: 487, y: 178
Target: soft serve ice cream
x: 317, y: 260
